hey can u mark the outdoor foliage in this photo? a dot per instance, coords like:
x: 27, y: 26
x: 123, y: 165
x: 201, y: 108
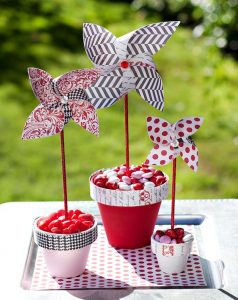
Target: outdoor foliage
x: 197, y: 80
x: 214, y: 19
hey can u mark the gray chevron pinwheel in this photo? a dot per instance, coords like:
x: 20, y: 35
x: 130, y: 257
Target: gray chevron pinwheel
x: 125, y: 63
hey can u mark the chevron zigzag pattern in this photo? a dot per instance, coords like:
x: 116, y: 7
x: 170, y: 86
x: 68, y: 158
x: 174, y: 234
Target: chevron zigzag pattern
x: 149, y: 94
x: 151, y: 38
x: 106, y: 51
x: 103, y: 97
x: 98, y: 40
x: 149, y: 85
x: 111, y: 80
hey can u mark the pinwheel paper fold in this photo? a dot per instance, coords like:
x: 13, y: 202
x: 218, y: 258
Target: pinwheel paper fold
x: 172, y: 140
x: 61, y: 99
x: 126, y: 63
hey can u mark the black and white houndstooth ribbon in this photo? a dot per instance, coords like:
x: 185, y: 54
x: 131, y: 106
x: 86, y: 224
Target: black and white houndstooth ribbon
x: 74, y: 95
x: 65, y: 242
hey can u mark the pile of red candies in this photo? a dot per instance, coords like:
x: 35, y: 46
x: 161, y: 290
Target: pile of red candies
x: 136, y: 178
x: 77, y: 221
x: 172, y: 236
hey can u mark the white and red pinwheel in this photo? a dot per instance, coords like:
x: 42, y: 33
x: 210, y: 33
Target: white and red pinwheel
x: 172, y: 140
x: 126, y: 63
x: 61, y: 99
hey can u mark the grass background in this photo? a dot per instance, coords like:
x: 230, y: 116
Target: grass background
x: 198, y: 80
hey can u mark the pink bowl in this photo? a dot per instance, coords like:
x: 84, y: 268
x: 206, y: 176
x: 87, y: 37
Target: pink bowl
x: 65, y: 254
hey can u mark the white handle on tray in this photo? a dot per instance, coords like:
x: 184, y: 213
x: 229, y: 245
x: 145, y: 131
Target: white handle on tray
x: 153, y: 245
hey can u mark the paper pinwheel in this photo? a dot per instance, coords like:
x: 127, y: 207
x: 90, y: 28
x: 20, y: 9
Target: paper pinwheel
x: 61, y: 99
x: 126, y: 63
x: 171, y: 140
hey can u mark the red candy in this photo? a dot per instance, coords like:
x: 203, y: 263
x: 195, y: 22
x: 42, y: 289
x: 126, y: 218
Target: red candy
x: 56, y: 223
x: 60, y: 213
x: 145, y: 170
x: 137, y: 186
x: 174, y: 234
x: 70, y: 214
x: 56, y: 230
x: 171, y: 233
x: 179, y: 232
x: 66, y: 223
x: 86, y: 217
x: 72, y: 228
x: 179, y: 240
x: 160, y: 180
x: 159, y: 233
x: 111, y: 186
x: 158, y: 173
x: 100, y: 183
x: 111, y: 179
x: 43, y: 223
x: 85, y: 225
x: 53, y: 216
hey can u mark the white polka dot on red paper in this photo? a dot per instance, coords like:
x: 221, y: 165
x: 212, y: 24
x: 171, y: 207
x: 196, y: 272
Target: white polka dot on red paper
x: 136, y: 268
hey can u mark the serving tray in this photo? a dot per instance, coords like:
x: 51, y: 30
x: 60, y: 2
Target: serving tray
x: 110, y: 268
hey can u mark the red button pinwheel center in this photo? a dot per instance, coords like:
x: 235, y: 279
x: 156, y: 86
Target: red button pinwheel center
x: 124, y: 64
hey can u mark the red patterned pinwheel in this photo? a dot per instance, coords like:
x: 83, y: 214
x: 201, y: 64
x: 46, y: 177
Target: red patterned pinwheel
x: 126, y: 62
x: 172, y: 140
x: 61, y: 99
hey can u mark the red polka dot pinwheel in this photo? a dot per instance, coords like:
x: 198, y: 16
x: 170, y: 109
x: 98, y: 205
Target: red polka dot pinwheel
x: 61, y: 99
x: 172, y: 140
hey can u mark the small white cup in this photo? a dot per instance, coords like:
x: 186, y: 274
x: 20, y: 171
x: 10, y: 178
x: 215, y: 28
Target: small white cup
x: 172, y: 258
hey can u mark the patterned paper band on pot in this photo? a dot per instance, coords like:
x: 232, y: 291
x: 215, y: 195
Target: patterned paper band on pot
x: 128, y: 198
x: 64, y: 242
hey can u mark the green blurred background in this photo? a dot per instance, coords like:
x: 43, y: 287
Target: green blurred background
x: 199, y: 70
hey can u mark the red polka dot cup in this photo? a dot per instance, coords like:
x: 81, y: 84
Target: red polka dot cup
x: 65, y: 254
x: 128, y: 217
x: 172, y: 258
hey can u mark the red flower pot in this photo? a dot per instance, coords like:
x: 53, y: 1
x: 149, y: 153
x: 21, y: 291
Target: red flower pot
x: 129, y: 217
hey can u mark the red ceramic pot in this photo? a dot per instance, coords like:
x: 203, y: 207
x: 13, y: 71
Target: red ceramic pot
x: 129, y: 217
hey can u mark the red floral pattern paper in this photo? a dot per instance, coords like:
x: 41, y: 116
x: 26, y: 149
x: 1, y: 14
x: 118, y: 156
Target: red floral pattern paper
x: 43, y: 122
x: 61, y: 99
